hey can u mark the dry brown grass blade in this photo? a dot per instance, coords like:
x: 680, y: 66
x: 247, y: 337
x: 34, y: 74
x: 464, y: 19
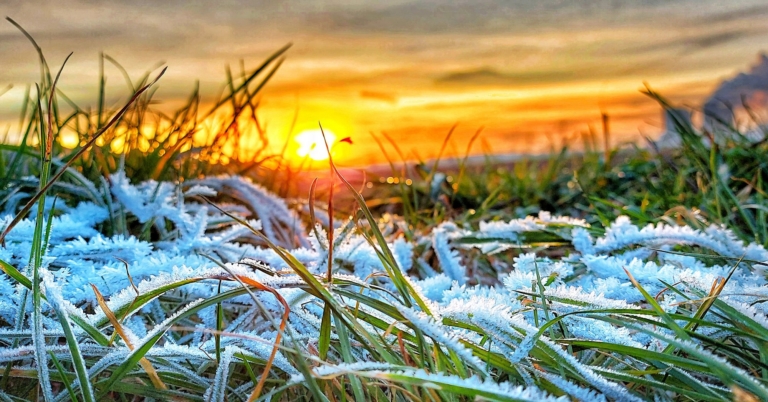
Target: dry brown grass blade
x: 312, y: 217
x: 145, y: 364
x: 403, y: 351
x: 128, y: 273
x: 248, y: 281
x: 740, y: 395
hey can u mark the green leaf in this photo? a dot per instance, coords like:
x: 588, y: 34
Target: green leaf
x: 325, y: 333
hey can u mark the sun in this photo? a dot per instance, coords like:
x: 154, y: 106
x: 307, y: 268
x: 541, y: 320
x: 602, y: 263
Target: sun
x: 311, y: 144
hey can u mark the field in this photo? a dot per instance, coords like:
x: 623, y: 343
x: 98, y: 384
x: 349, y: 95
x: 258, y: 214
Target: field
x: 137, y: 265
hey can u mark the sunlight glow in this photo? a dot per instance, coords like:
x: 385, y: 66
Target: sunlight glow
x: 69, y: 139
x: 311, y: 144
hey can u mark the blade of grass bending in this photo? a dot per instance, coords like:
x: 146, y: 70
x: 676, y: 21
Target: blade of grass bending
x: 741, y: 319
x: 671, y: 324
x: 324, y: 342
x: 286, y: 312
x: 446, y: 384
x: 390, y: 263
x: 314, y: 286
x: 120, y: 68
x: 64, y: 378
x: 81, y: 151
x: 145, y: 364
x: 338, y: 309
x: 723, y: 370
x: 37, y: 251
x: 714, y: 293
x: 43, y: 63
x: 639, y: 353
x: 719, y: 370
x: 312, y: 217
x: 14, y: 273
x: 247, y: 361
x: 693, y: 394
x: 658, y: 359
x: 245, y: 282
x: 712, y: 256
x: 141, y: 350
x: 374, y: 303
x: 77, y: 358
x: 346, y: 355
x: 250, y: 78
x: 329, y: 276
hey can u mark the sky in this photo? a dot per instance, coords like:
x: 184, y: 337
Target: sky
x: 531, y: 74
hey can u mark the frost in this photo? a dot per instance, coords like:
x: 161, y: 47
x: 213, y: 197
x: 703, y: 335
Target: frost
x: 579, y: 297
x: 173, y: 271
x: 442, y: 335
x: 434, y: 286
x: 503, y: 390
x: 449, y: 259
x: 580, y: 393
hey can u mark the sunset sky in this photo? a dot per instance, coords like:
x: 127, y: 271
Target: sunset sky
x: 529, y: 72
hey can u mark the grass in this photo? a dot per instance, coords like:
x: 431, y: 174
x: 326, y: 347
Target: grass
x: 694, y: 183
x: 179, y: 293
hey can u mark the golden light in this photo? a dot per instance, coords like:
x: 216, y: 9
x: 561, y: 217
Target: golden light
x: 69, y: 139
x: 311, y: 144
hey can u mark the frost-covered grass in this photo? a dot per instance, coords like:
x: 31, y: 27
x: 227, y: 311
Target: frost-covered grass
x: 120, y: 284
x: 200, y: 312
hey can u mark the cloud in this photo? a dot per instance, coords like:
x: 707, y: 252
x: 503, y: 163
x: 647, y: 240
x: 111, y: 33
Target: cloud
x: 734, y: 15
x: 745, y: 86
x: 707, y: 41
x: 486, y: 16
x: 492, y: 77
x: 387, y: 97
x: 488, y: 76
x: 693, y: 43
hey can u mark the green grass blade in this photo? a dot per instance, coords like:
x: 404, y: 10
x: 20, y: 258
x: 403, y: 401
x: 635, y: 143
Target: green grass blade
x: 325, y: 333
x: 77, y: 357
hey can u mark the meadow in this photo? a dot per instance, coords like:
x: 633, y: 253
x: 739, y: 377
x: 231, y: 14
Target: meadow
x: 138, y: 265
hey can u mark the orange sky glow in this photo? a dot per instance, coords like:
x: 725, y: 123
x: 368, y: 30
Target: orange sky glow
x: 532, y: 75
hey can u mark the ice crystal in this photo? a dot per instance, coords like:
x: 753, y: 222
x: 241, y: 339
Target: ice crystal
x: 443, y: 336
x: 449, y: 259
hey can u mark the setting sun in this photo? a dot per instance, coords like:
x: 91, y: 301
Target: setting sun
x: 311, y: 144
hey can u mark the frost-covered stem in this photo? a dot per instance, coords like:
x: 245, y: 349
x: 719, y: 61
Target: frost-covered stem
x: 24, y: 295
x: 38, y: 339
x: 78, y: 362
